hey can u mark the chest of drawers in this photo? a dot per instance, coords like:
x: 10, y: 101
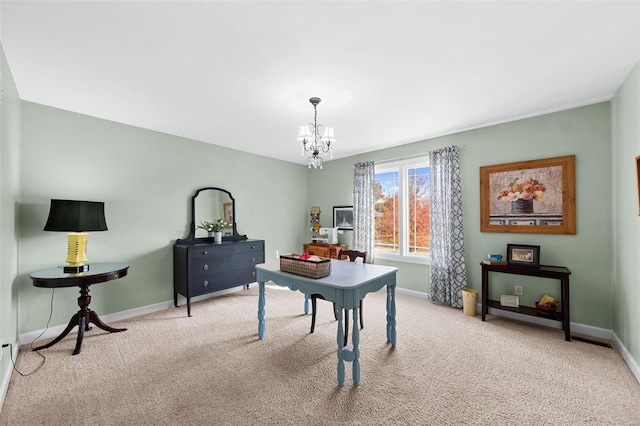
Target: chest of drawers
x: 205, y: 267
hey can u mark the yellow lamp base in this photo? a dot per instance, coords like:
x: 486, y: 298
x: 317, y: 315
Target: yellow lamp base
x: 77, y: 252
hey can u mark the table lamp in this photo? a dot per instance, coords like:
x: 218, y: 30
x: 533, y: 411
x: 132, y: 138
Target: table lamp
x: 76, y: 218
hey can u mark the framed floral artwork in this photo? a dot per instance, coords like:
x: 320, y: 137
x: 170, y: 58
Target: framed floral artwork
x: 535, y: 196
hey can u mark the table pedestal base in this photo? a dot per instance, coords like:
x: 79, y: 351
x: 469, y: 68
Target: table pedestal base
x: 82, y: 319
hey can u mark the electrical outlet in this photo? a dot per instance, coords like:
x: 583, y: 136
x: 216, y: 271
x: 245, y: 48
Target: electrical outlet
x: 518, y: 290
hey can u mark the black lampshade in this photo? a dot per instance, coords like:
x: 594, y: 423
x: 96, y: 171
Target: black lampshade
x: 76, y: 216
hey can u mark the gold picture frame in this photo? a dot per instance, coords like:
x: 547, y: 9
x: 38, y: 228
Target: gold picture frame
x: 638, y: 177
x: 535, y: 196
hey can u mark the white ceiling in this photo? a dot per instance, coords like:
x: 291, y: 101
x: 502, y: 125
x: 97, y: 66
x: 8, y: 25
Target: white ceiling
x: 240, y: 74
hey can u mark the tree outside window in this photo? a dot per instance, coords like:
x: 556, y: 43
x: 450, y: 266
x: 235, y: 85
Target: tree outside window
x: 402, y: 209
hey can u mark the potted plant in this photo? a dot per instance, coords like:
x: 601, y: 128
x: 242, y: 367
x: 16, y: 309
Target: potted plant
x: 214, y: 228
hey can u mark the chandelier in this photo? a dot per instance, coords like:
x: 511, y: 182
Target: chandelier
x: 314, y: 146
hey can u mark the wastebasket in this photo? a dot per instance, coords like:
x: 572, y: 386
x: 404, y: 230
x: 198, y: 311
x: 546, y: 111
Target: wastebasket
x: 469, y: 301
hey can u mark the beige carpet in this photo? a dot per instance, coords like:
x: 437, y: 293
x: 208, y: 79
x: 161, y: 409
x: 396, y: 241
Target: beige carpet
x: 448, y: 368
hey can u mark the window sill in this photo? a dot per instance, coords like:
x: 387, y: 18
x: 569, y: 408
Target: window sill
x: 404, y: 259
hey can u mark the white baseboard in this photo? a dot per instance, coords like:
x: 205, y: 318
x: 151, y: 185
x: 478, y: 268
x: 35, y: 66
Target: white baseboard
x: 413, y: 293
x: 8, y: 366
x: 633, y: 365
x: 54, y: 331
x: 588, y: 330
x: 117, y: 316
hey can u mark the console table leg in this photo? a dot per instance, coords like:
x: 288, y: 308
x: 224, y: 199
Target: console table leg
x: 75, y: 320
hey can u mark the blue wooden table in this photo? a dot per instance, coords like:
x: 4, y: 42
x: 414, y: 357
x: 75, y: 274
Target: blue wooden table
x: 346, y: 286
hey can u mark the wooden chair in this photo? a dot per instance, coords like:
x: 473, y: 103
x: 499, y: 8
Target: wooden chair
x: 352, y: 255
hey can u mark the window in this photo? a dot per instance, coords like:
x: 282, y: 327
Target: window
x: 402, y: 210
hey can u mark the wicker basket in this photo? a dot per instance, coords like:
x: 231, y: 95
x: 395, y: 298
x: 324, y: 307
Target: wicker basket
x: 307, y: 268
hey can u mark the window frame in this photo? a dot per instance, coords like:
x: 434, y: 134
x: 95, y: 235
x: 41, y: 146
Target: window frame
x: 402, y: 166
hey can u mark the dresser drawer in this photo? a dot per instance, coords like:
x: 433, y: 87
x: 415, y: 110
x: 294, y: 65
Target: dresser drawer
x: 205, y: 250
x: 207, y: 282
x: 224, y: 262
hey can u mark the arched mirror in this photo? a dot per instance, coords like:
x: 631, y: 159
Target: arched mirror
x: 211, y: 204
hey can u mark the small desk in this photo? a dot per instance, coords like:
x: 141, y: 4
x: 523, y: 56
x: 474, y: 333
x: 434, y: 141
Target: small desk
x: 98, y: 273
x: 558, y: 272
x: 346, y: 286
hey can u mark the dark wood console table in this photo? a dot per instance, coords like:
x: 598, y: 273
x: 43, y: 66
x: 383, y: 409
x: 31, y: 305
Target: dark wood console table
x: 98, y: 273
x: 558, y: 272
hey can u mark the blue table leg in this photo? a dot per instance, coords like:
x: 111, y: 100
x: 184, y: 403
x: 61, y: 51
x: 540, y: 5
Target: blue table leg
x: 391, y: 314
x: 306, y: 304
x: 355, y: 339
x: 261, y: 303
x: 340, y: 341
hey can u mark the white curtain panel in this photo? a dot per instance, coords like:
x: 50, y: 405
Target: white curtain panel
x: 364, y: 178
x: 447, y: 276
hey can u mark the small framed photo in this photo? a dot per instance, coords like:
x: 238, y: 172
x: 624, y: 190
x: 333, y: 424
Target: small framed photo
x: 228, y: 214
x: 343, y: 217
x: 521, y: 255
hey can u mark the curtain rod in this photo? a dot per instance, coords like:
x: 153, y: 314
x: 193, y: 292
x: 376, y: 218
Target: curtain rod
x: 409, y: 157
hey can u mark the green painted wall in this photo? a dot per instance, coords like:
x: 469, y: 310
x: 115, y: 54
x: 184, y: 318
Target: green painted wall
x: 146, y: 180
x: 626, y: 222
x: 584, y: 132
x: 10, y: 196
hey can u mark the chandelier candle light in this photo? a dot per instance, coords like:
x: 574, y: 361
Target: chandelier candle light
x: 314, y: 146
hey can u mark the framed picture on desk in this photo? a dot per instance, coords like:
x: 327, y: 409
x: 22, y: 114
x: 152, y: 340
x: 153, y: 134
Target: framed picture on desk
x: 519, y: 255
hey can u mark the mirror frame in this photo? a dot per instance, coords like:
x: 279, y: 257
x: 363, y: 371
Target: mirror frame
x: 192, y: 233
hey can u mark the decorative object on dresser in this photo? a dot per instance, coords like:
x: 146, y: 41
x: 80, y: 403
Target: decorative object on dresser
x: 214, y: 228
x: 327, y: 236
x: 200, y: 264
x: 315, y: 219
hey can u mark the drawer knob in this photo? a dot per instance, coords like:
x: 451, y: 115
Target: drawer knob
x: 205, y: 267
x: 205, y: 252
x: 253, y: 274
x: 205, y: 283
x: 252, y: 247
x: 253, y: 260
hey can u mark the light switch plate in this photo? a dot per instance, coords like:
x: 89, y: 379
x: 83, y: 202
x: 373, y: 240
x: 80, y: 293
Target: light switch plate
x: 509, y: 300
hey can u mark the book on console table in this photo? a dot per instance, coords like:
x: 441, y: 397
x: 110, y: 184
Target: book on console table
x: 494, y: 262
